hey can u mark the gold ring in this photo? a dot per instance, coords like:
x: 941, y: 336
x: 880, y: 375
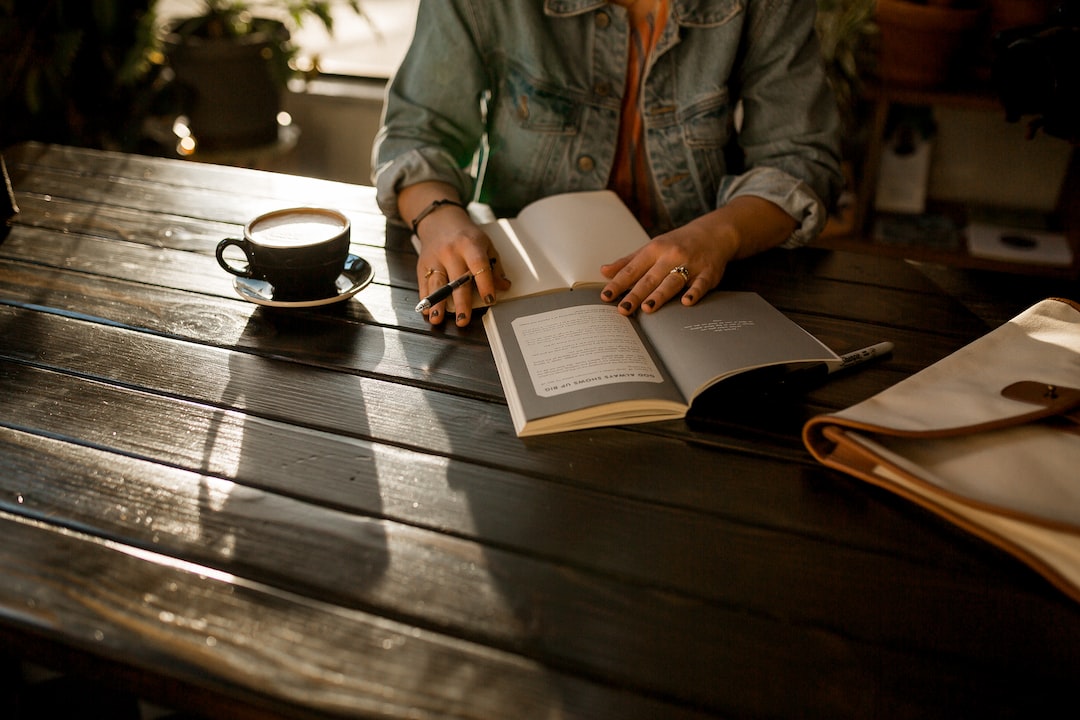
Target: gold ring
x: 432, y: 271
x: 480, y: 271
x: 681, y: 270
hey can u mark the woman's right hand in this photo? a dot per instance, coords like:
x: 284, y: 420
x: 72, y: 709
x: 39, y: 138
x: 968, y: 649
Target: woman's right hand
x: 451, y: 245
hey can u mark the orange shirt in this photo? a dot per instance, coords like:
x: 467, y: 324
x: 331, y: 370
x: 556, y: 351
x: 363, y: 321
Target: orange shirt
x: 630, y: 172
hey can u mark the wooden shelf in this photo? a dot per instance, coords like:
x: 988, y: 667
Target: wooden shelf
x: 853, y: 228
x: 953, y: 258
x: 980, y: 98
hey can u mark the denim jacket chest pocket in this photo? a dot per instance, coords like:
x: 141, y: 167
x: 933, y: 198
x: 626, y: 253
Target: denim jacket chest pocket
x: 530, y: 104
x: 541, y: 120
x: 688, y: 148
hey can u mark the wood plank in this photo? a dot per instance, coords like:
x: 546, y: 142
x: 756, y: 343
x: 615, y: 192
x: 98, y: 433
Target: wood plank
x: 174, y: 228
x: 786, y: 279
x: 873, y: 271
x: 159, y: 263
x: 344, y: 338
x: 279, y: 652
x: 549, y: 457
x: 998, y: 297
x: 38, y: 168
x: 378, y: 303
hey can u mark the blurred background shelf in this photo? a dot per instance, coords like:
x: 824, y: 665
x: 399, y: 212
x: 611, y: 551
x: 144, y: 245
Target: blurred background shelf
x: 982, y: 169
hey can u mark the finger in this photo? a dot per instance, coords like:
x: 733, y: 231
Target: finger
x: 429, y: 279
x: 700, y: 286
x: 612, y: 268
x: 463, y: 301
x: 695, y: 292
x: 626, y: 278
x: 484, y: 277
x: 672, y: 284
x: 502, y: 282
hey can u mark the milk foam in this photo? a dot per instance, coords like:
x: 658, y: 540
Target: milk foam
x: 295, y: 229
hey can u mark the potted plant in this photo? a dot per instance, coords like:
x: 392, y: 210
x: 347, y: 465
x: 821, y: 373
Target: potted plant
x: 846, y: 31
x: 924, y: 43
x: 232, y: 62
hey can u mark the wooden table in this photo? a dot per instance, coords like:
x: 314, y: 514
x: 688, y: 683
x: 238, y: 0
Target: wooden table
x: 249, y: 512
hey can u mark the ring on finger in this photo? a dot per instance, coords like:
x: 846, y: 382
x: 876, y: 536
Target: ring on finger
x: 681, y: 270
x: 433, y: 271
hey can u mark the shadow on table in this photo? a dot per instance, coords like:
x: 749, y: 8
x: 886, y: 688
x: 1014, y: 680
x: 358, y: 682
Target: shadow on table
x: 293, y: 483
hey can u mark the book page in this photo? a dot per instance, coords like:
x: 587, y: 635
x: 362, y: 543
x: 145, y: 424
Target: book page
x: 723, y: 334
x: 573, y: 348
x: 567, y: 359
x: 579, y: 232
x: 529, y: 272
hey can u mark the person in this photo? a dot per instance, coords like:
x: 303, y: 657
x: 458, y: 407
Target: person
x: 507, y: 101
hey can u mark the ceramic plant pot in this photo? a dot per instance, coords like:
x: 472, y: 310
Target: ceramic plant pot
x: 229, y: 92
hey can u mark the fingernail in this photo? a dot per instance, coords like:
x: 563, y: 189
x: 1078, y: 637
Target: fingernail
x: 627, y: 306
x: 650, y: 303
x: 489, y: 299
x: 607, y: 294
x: 461, y: 317
x: 688, y: 297
x: 434, y: 314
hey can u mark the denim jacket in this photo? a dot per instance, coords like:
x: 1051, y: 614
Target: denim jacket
x: 529, y: 91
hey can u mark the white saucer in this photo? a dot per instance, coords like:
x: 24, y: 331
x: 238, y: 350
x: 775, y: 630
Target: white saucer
x: 356, y: 275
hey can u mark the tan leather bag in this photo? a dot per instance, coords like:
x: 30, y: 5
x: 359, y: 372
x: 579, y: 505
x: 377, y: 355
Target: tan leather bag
x: 988, y: 438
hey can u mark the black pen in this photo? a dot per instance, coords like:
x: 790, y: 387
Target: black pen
x: 442, y: 293
x: 805, y: 378
x: 858, y: 357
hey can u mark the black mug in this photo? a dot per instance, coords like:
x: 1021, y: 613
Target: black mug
x: 298, y: 251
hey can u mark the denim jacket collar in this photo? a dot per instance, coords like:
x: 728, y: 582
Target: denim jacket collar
x: 696, y: 13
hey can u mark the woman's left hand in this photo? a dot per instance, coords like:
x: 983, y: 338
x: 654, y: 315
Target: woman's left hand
x: 691, y: 259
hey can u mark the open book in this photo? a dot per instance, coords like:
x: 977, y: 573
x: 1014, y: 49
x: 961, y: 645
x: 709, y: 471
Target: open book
x: 567, y: 360
x: 988, y: 438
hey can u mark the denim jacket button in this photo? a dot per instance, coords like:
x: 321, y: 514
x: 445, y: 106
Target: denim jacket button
x: 585, y: 163
x: 602, y: 20
x: 602, y: 88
